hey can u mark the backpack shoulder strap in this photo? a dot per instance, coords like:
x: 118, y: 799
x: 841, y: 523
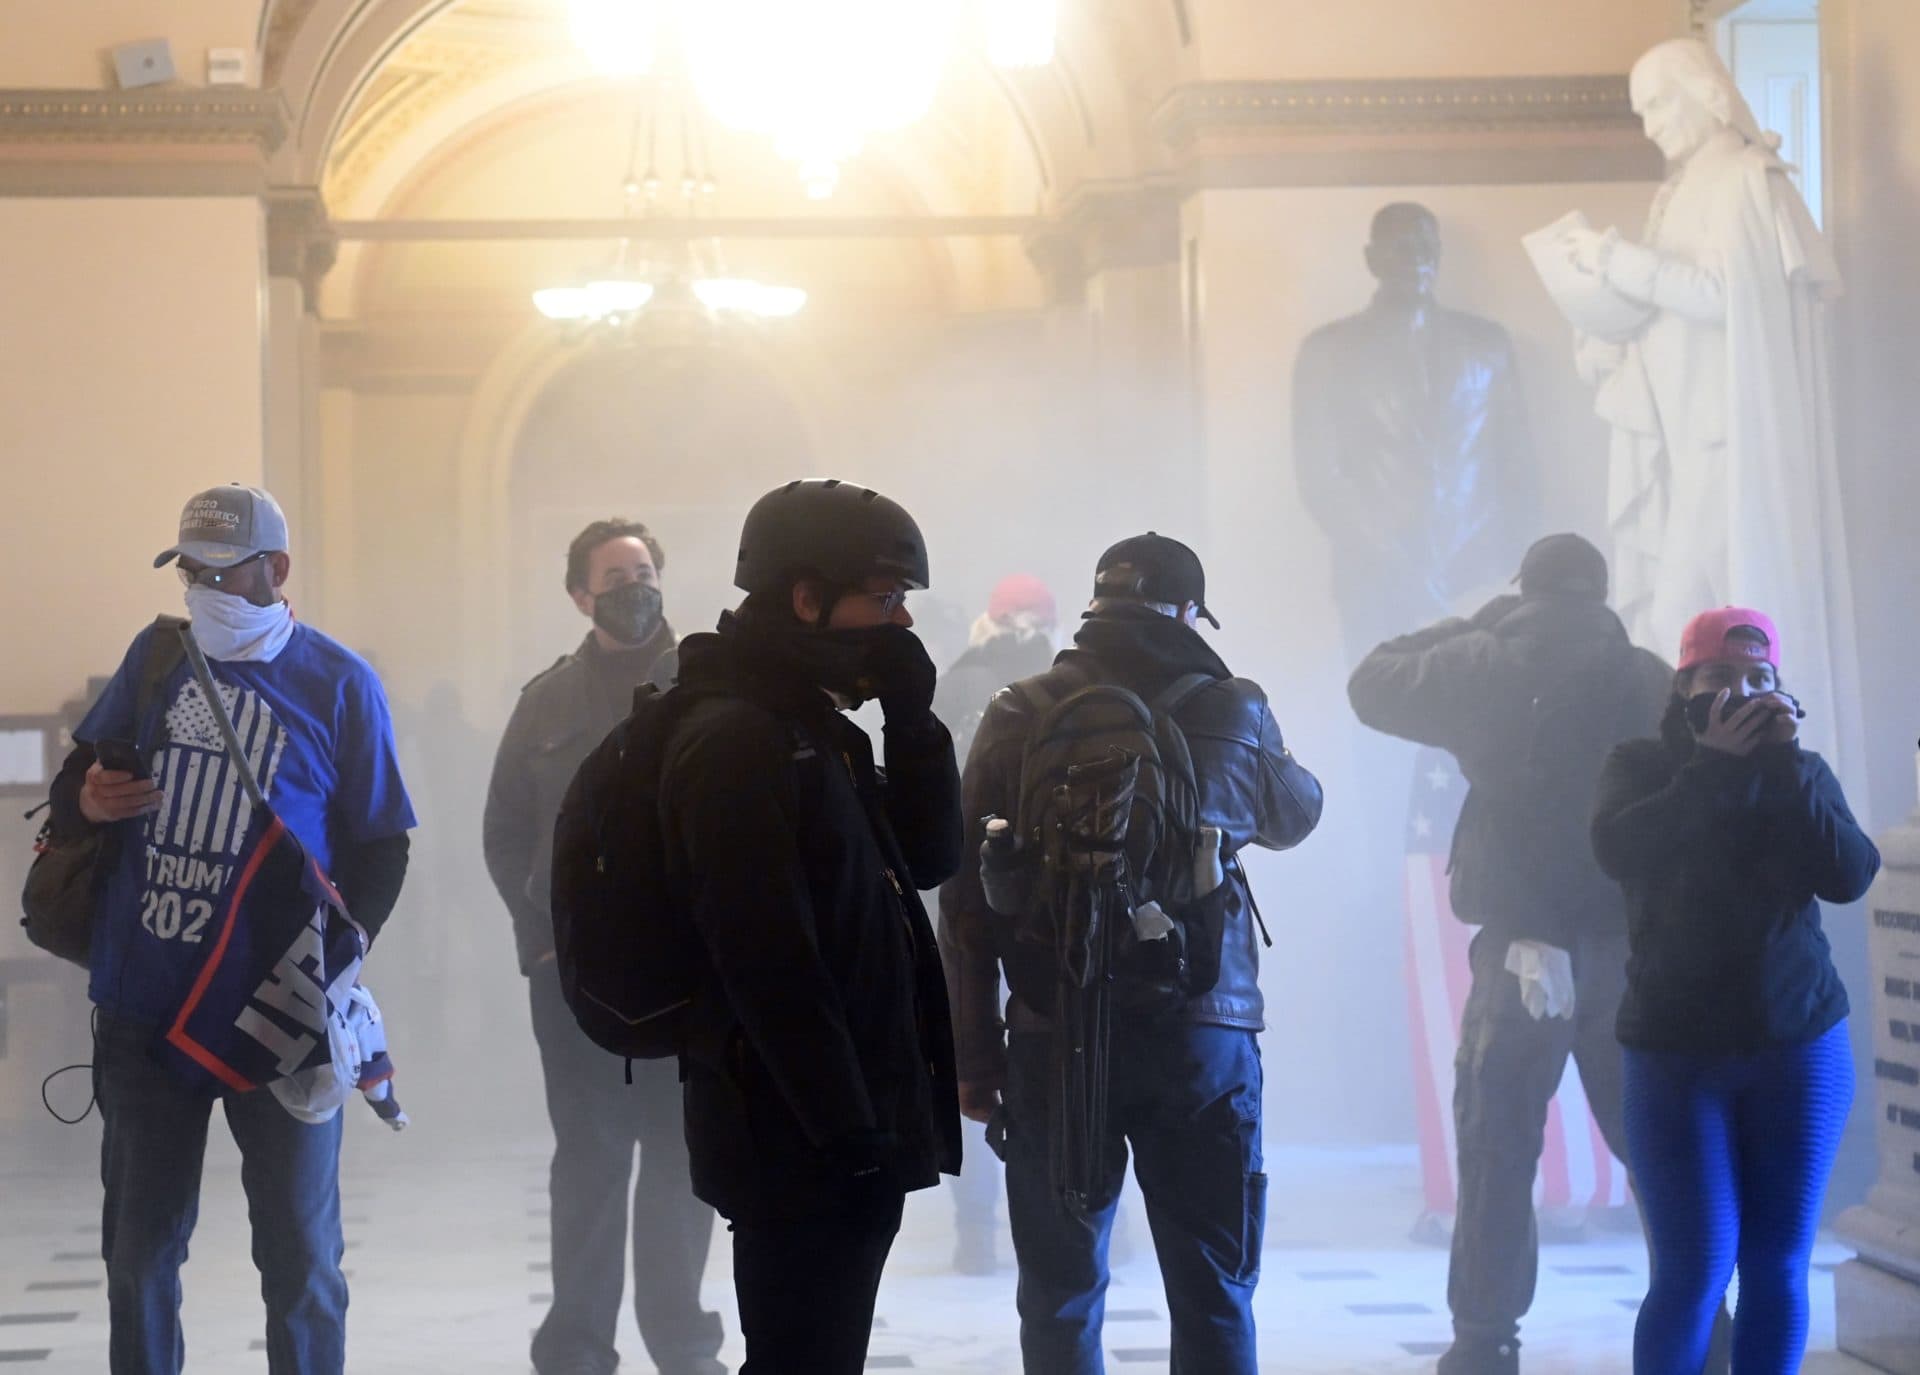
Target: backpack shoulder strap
x: 1179, y: 692
x: 1041, y: 700
x: 164, y: 652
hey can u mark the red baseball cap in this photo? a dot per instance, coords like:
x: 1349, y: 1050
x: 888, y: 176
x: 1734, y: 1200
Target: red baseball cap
x: 1018, y: 592
x: 1705, y: 638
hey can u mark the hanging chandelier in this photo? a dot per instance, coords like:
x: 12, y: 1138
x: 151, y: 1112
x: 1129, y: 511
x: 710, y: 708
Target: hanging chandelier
x: 686, y: 275
x: 818, y: 78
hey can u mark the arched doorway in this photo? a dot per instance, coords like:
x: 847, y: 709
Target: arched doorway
x: 681, y: 432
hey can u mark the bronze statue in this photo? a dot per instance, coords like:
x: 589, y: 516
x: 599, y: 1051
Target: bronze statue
x: 1410, y: 442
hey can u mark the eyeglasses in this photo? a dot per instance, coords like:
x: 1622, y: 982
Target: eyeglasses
x: 215, y: 578
x: 890, y: 602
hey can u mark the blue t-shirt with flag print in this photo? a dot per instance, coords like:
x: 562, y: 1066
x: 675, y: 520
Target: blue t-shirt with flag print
x: 314, y: 725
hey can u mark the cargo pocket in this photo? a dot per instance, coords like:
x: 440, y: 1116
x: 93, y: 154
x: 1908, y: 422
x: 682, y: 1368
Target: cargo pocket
x: 1253, y: 1229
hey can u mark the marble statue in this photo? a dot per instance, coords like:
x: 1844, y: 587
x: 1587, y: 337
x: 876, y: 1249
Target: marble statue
x: 1410, y: 443
x: 1722, y: 484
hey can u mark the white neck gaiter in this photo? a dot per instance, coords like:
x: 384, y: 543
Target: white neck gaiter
x: 231, y: 628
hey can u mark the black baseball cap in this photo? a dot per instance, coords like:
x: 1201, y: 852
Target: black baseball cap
x: 1565, y: 565
x: 1153, y: 568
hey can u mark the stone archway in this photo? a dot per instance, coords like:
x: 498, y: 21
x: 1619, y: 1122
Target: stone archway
x: 541, y: 388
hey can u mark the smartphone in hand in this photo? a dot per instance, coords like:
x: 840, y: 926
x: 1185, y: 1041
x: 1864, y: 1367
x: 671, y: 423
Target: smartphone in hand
x: 120, y: 755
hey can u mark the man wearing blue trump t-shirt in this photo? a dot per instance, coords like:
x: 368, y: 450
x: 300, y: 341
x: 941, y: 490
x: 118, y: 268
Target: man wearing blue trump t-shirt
x: 312, y: 721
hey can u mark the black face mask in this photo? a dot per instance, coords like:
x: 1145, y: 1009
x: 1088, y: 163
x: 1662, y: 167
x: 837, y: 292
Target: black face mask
x: 858, y: 665
x: 631, y: 613
x: 1700, y: 708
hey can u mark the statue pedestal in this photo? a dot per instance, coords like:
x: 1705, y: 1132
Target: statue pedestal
x: 1877, y: 1296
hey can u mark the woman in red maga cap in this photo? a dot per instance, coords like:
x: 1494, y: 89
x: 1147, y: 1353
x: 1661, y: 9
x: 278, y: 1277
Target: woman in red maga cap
x: 1726, y: 837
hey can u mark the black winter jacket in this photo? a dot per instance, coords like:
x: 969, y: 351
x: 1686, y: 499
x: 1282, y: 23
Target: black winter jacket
x: 824, y: 1042
x: 1251, y: 787
x: 1468, y: 687
x: 971, y: 680
x: 1725, y: 861
x: 558, y: 720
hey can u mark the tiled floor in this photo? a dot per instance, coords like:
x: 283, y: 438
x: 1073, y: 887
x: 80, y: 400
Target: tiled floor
x: 447, y: 1259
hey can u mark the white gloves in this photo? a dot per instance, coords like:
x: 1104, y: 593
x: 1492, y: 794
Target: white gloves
x: 1546, y: 978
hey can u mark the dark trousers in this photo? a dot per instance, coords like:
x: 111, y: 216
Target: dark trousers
x: 806, y: 1286
x: 151, y: 1155
x: 1505, y: 1075
x: 1187, y: 1099
x: 598, y: 1119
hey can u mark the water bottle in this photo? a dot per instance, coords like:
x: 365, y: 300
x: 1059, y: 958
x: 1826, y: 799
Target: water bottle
x: 1209, y: 872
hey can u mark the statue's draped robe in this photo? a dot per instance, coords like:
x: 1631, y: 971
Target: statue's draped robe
x: 1723, y: 487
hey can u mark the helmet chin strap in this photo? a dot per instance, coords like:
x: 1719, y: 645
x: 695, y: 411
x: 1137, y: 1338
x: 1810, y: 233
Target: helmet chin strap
x: 831, y: 595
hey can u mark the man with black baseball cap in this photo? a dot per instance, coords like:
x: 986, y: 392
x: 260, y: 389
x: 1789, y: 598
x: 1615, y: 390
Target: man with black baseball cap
x: 1153, y: 569
x: 1529, y: 695
x: 1184, y: 1078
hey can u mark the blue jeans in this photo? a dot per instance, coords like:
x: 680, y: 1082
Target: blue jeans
x: 1731, y: 1157
x: 150, y: 1162
x: 1187, y: 1099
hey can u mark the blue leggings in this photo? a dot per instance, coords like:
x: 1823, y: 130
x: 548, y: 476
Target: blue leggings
x: 1730, y: 1157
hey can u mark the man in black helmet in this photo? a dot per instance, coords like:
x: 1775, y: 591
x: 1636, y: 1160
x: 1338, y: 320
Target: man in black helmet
x: 819, y: 1061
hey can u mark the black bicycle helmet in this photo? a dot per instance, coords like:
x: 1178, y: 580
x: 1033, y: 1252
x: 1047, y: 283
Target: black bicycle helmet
x: 825, y: 528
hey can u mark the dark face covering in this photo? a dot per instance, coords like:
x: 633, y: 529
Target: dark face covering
x: 631, y: 613
x: 859, y: 665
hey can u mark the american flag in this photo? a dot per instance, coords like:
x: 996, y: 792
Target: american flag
x: 1576, y: 1169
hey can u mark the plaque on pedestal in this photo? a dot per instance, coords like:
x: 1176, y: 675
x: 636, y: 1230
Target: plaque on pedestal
x: 1877, y: 1295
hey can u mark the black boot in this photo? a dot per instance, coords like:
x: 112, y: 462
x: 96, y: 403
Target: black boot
x: 1481, y: 1356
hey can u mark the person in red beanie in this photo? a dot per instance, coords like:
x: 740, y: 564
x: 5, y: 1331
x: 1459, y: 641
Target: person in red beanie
x: 1012, y: 640
x: 1726, y: 837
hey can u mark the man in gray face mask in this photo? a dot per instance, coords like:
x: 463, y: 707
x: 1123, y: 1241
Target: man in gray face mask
x: 613, y: 577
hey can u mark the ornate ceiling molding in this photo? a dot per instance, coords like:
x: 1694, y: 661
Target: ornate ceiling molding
x: 1504, y: 104
x: 1404, y: 132
x: 197, y: 118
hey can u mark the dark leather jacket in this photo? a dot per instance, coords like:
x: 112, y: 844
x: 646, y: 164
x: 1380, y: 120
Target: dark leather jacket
x: 557, y: 721
x: 1251, y: 787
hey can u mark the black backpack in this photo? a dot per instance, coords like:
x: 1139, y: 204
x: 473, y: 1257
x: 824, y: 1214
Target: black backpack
x: 630, y: 962
x: 1107, y: 830
x: 1107, y: 823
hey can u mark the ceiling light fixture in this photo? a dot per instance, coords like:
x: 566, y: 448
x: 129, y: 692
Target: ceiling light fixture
x: 820, y: 78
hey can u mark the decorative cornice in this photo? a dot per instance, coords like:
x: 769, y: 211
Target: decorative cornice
x: 1543, y: 104
x: 1404, y: 132
x: 181, y: 117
